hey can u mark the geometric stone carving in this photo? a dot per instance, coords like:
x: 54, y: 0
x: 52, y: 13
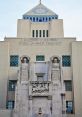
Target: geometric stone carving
x: 40, y: 98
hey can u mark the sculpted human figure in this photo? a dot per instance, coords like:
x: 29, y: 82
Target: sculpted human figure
x: 24, y: 60
x: 55, y: 74
x: 24, y: 69
x: 55, y: 62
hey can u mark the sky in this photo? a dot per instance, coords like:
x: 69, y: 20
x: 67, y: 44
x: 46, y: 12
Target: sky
x: 68, y: 10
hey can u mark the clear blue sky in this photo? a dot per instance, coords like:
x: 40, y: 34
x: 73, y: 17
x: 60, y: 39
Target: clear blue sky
x: 68, y: 10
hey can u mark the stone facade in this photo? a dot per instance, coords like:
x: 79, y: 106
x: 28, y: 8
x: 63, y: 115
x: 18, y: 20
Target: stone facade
x: 40, y: 98
x: 40, y: 69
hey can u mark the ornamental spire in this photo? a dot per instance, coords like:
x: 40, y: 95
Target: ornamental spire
x: 40, y: 1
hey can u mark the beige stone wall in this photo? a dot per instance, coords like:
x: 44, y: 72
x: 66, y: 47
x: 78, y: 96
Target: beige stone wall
x: 5, y: 113
x: 77, y: 76
x: 30, y: 47
x: 47, y: 47
x: 25, y: 27
x: 4, y: 62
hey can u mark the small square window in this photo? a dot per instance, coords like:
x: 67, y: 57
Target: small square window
x: 10, y: 105
x: 68, y: 85
x: 66, y: 61
x: 40, y: 58
x: 69, y: 107
x: 12, y: 85
x: 14, y: 60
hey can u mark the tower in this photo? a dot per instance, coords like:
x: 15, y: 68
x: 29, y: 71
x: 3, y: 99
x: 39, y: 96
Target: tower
x: 40, y: 88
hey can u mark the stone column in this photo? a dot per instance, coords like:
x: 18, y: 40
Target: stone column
x: 22, y: 92
x: 56, y: 88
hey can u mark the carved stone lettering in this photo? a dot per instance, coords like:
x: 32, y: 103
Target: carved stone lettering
x: 36, y: 42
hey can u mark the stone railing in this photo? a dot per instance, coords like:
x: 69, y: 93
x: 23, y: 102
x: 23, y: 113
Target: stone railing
x: 39, y: 88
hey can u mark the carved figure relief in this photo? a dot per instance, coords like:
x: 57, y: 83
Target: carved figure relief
x: 24, y: 68
x: 24, y: 60
x: 55, y: 70
x: 55, y: 62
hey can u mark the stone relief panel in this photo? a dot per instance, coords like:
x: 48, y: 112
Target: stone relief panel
x: 40, y: 88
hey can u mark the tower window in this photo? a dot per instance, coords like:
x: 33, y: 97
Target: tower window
x: 49, y: 18
x: 37, y: 19
x: 46, y: 18
x: 68, y: 85
x: 33, y: 19
x: 36, y: 33
x: 40, y: 20
x: 43, y: 33
x: 39, y: 33
x: 66, y: 61
x: 69, y: 107
x: 46, y: 33
x: 43, y: 19
x: 10, y: 105
x: 40, y: 58
x: 33, y: 33
x: 14, y: 60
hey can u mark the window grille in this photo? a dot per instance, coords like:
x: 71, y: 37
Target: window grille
x: 14, y: 60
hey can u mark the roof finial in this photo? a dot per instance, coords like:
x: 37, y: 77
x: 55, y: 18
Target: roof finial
x: 40, y: 1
